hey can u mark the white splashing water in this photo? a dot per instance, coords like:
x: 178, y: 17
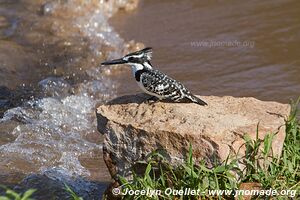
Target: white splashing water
x: 52, y: 131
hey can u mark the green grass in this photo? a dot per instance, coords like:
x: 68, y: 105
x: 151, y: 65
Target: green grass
x: 72, y: 193
x: 281, y: 173
x: 187, y: 175
x: 12, y: 195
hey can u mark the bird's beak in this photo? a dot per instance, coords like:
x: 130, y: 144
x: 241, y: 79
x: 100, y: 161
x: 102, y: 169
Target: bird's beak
x: 114, y: 62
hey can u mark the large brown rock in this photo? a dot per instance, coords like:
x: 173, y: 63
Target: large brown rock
x: 133, y: 128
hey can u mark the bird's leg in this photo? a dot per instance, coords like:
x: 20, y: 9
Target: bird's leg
x: 152, y: 99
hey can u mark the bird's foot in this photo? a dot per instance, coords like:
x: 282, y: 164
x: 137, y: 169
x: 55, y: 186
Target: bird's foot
x: 152, y: 99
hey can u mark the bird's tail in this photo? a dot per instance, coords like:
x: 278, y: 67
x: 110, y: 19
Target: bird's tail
x: 198, y: 101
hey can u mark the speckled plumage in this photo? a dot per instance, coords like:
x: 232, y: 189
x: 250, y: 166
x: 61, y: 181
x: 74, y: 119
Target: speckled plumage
x: 162, y: 86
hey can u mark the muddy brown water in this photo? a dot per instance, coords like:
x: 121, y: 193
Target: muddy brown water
x: 232, y: 48
x: 50, y: 80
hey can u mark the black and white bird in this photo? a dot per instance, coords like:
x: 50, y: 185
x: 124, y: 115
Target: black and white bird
x: 154, y: 82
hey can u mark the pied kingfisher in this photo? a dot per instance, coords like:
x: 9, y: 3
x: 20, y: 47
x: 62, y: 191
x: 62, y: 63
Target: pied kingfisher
x: 154, y: 82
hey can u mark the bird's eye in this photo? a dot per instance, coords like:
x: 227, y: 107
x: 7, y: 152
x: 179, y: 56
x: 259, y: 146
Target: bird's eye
x: 134, y: 60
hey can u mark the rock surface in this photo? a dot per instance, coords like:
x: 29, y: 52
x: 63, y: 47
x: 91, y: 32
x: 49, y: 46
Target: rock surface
x: 133, y: 128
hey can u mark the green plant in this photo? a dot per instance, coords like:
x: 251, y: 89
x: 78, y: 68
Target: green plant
x: 280, y: 172
x: 12, y: 195
x: 161, y: 176
x: 72, y: 193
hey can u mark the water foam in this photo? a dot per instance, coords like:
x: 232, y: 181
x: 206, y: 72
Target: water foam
x: 52, y: 131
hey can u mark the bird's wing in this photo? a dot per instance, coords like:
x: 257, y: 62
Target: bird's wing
x: 160, y: 84
x: 157, y: 82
